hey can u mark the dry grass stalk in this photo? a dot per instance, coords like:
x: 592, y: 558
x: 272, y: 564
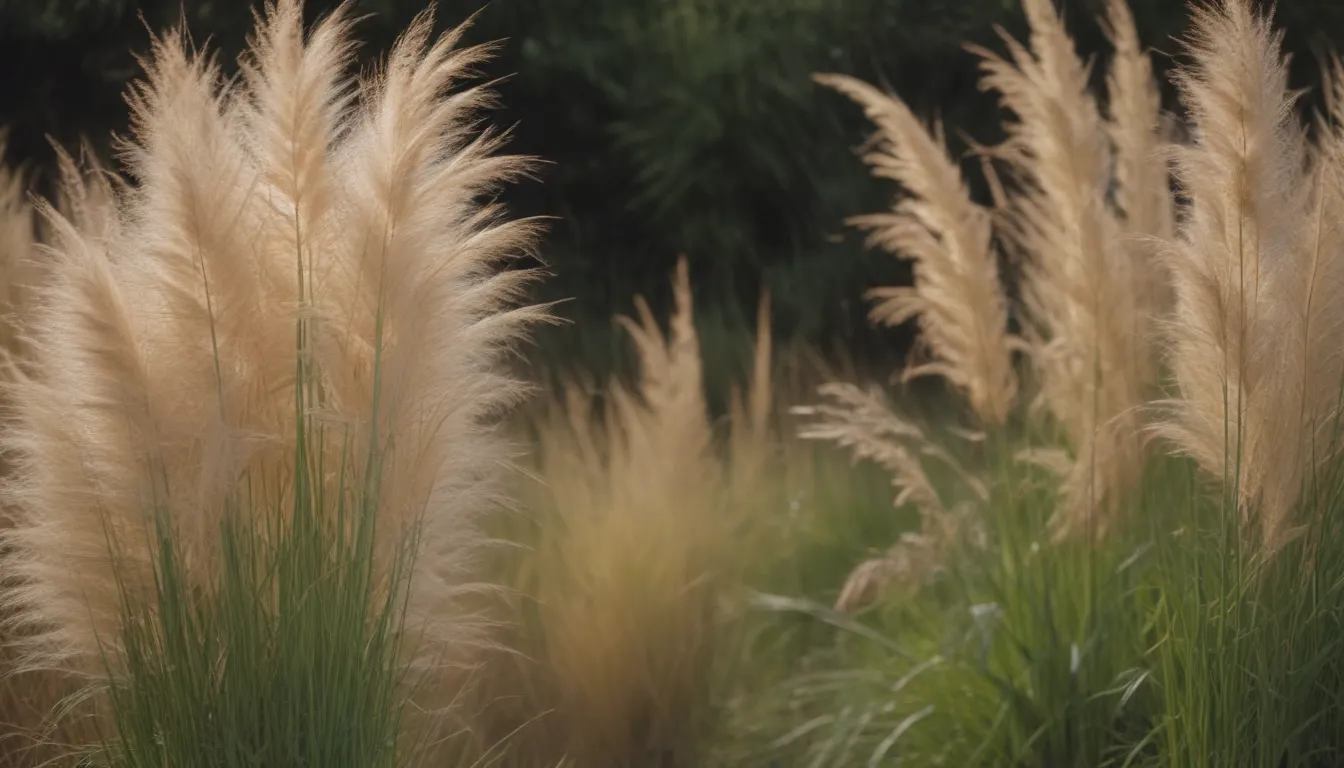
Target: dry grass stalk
x: 1258, y: 274
x: 957, y: 295
x: 1084, y: 291
x: 164, y: 342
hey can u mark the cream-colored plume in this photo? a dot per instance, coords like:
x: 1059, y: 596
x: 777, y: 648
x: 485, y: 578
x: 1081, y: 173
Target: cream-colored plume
x: 1142, y: 177
x: 1085, y: 292
x: 291, y: 240
x: 635, y: 562
x: 957, y: 296
x: 1259, y: 279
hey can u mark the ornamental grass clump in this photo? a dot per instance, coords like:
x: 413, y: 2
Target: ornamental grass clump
x: 259, y: 416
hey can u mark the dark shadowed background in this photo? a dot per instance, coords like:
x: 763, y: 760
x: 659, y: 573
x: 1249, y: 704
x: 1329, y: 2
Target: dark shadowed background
x: 669, y: 126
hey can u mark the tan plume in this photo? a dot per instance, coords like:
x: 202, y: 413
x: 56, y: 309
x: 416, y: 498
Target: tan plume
x: 956, y: 295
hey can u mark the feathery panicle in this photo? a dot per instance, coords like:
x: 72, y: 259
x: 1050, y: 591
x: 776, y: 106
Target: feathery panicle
x: 864, y: 423
x: 77, y: 482
x: 1142, y: 176
x: 1082, y: 288
x: 632, y: 569
x: 419, y: 287
x: 671, y: 374
x: 287, y: 265
x: 25, y: 699
x: 297, y: 94
x: 957, y: 296
x: 1258, y: 276
x: 193, y: 253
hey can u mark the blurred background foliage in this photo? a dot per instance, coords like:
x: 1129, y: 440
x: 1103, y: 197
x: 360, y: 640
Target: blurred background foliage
x: 668, y: 127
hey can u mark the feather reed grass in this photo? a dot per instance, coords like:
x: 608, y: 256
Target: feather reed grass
x: 962, y: 310
x: 1254, y: 351
x: 643, y: 554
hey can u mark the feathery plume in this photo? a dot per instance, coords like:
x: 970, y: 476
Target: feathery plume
x: 864, y: 423
x: 633, y: 567
x: 750, y: 415
x: 957, y: 296
x: 1082, y: 289
x: 289, y: 263
x: 88, y: 191
x: 671, y: 382
x: 1258, y: 276
x: 1142, y: 177
x: 25, y: 699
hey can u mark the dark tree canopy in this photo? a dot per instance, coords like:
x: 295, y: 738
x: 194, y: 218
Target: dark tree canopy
x: 669, y: 126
